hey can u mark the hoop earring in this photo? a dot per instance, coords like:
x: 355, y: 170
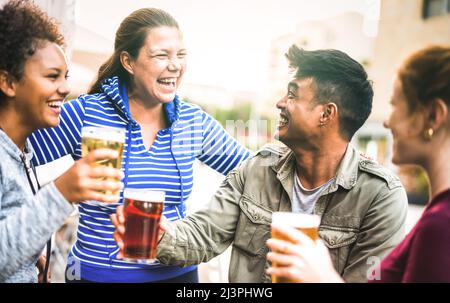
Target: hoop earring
x: 429, y: 134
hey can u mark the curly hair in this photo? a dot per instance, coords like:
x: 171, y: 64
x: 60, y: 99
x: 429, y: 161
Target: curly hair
x: 23, y: 26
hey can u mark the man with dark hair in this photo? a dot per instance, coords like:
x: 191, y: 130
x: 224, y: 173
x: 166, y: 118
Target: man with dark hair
x: 363, y: 205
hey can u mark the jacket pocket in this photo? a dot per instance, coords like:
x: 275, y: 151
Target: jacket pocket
x: 253, y: 228
x: 340, y: 242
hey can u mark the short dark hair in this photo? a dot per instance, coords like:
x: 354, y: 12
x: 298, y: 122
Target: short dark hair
x: 338, y: 78
x: 130, y: 37
x: 23, y: 26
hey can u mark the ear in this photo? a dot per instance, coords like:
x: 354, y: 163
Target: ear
x: 127, y: 63
x: 438, y: 114
x: 7, y: 84
x: 330, y: 112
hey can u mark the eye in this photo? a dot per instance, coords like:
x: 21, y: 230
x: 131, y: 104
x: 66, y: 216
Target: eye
x: 53, y: 76
x: 290, y: 95
x: 181, y: 55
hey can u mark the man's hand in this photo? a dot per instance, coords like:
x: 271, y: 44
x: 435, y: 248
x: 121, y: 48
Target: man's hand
x: 118, y: 220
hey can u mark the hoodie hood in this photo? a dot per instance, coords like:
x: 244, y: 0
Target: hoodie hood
x: 118, y: 94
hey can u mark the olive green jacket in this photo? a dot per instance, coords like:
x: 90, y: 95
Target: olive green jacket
x: 363, y: 215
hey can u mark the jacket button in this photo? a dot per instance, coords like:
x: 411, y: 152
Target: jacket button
x: 332, y: 242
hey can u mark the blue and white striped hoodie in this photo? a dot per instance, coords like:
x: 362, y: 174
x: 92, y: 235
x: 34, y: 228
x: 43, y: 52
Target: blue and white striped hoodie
x: 166, y: 166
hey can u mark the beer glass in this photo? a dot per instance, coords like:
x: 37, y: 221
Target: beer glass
x: 308, y: 224
x: 143, y: 210
x: 93, y: 137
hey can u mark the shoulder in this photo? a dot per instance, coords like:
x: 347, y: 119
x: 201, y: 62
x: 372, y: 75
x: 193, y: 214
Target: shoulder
x: 272, y: 149
x: 378, y: 172
x: 436, y: 220
x: 187, y: 107
x: 269, y: 155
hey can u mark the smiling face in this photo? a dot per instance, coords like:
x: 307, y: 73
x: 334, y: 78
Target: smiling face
x: 299, y: 113
x: 160, y: 65
x: 407, y: 129
x: 40, y: 92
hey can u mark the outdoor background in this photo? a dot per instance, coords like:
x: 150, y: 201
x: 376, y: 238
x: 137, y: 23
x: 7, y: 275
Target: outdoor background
x: 237, y: 70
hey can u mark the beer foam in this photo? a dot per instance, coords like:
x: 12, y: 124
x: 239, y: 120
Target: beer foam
x: 144, y: 195
x: 295, y: 220
x: 104, y: 133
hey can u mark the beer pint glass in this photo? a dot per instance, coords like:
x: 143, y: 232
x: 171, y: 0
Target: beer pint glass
x: 94, y: 137
x: 308, y: 224
x: 143, y: 210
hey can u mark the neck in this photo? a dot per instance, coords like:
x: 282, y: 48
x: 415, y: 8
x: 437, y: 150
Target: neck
x: 14, y: 127
x: 315, y: 166
x: 437, y: 167
x: 147, y: 114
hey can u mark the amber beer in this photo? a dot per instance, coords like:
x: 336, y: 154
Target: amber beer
x: 143, y: 210
x: 103, y: 137
x: 308, y: 224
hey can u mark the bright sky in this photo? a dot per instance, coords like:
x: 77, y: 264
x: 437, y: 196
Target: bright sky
x: 227, y: 40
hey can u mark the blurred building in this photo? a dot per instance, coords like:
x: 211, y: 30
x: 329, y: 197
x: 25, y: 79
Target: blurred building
x: 405, y: 26
x: 89, y: 51
x: 344, y: 32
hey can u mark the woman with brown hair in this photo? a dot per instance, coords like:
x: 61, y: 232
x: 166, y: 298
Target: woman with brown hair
x: 136, y: 91
x: 420, y: 125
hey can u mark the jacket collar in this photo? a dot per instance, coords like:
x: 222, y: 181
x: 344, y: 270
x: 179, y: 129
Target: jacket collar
x: 345, y: 177
x: 117, y: 92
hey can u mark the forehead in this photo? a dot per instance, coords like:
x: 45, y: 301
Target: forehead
x: 48, y: 55
x: 301, y: 83
x: 164, y: 37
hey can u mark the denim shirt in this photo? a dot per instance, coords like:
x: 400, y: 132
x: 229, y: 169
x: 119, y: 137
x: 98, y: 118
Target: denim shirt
x: 26, y: 221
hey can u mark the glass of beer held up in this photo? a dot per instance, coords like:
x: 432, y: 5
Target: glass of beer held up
x: 142, y: 210
x: 308, y: 224
x: 93, y: 137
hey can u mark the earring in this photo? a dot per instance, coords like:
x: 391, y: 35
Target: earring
x: 429, y: 134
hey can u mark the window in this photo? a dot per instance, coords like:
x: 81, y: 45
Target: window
x: 432, y: 8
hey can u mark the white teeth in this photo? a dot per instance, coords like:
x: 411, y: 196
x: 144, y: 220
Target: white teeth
x: 55, y: 104
x: 283, y: 120
x: 168, y: 80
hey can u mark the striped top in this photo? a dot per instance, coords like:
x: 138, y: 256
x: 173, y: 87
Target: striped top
x: 167, y: 166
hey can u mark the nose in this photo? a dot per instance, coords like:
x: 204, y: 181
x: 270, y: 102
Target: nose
x: 174, y: 64
x: 64, y: 89
x: 281, y: 103
x: 386, y: 123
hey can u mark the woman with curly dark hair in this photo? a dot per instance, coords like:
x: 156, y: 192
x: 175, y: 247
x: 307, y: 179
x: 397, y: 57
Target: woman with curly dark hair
x: 33, y: 86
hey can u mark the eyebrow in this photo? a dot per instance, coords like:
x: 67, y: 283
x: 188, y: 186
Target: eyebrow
x: 154, y: 50
x: 292, y: 85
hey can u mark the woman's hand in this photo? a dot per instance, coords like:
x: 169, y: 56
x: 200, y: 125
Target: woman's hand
x: 86, y: 181
x: 118, y: 220
x: 300, y: 259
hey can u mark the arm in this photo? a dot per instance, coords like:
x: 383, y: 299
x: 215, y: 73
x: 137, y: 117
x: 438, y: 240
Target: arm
x: 208, y: 232
x: 219, y: 150
x: 24, y: 232
x: 382, y: 229
x: 52, y: 143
